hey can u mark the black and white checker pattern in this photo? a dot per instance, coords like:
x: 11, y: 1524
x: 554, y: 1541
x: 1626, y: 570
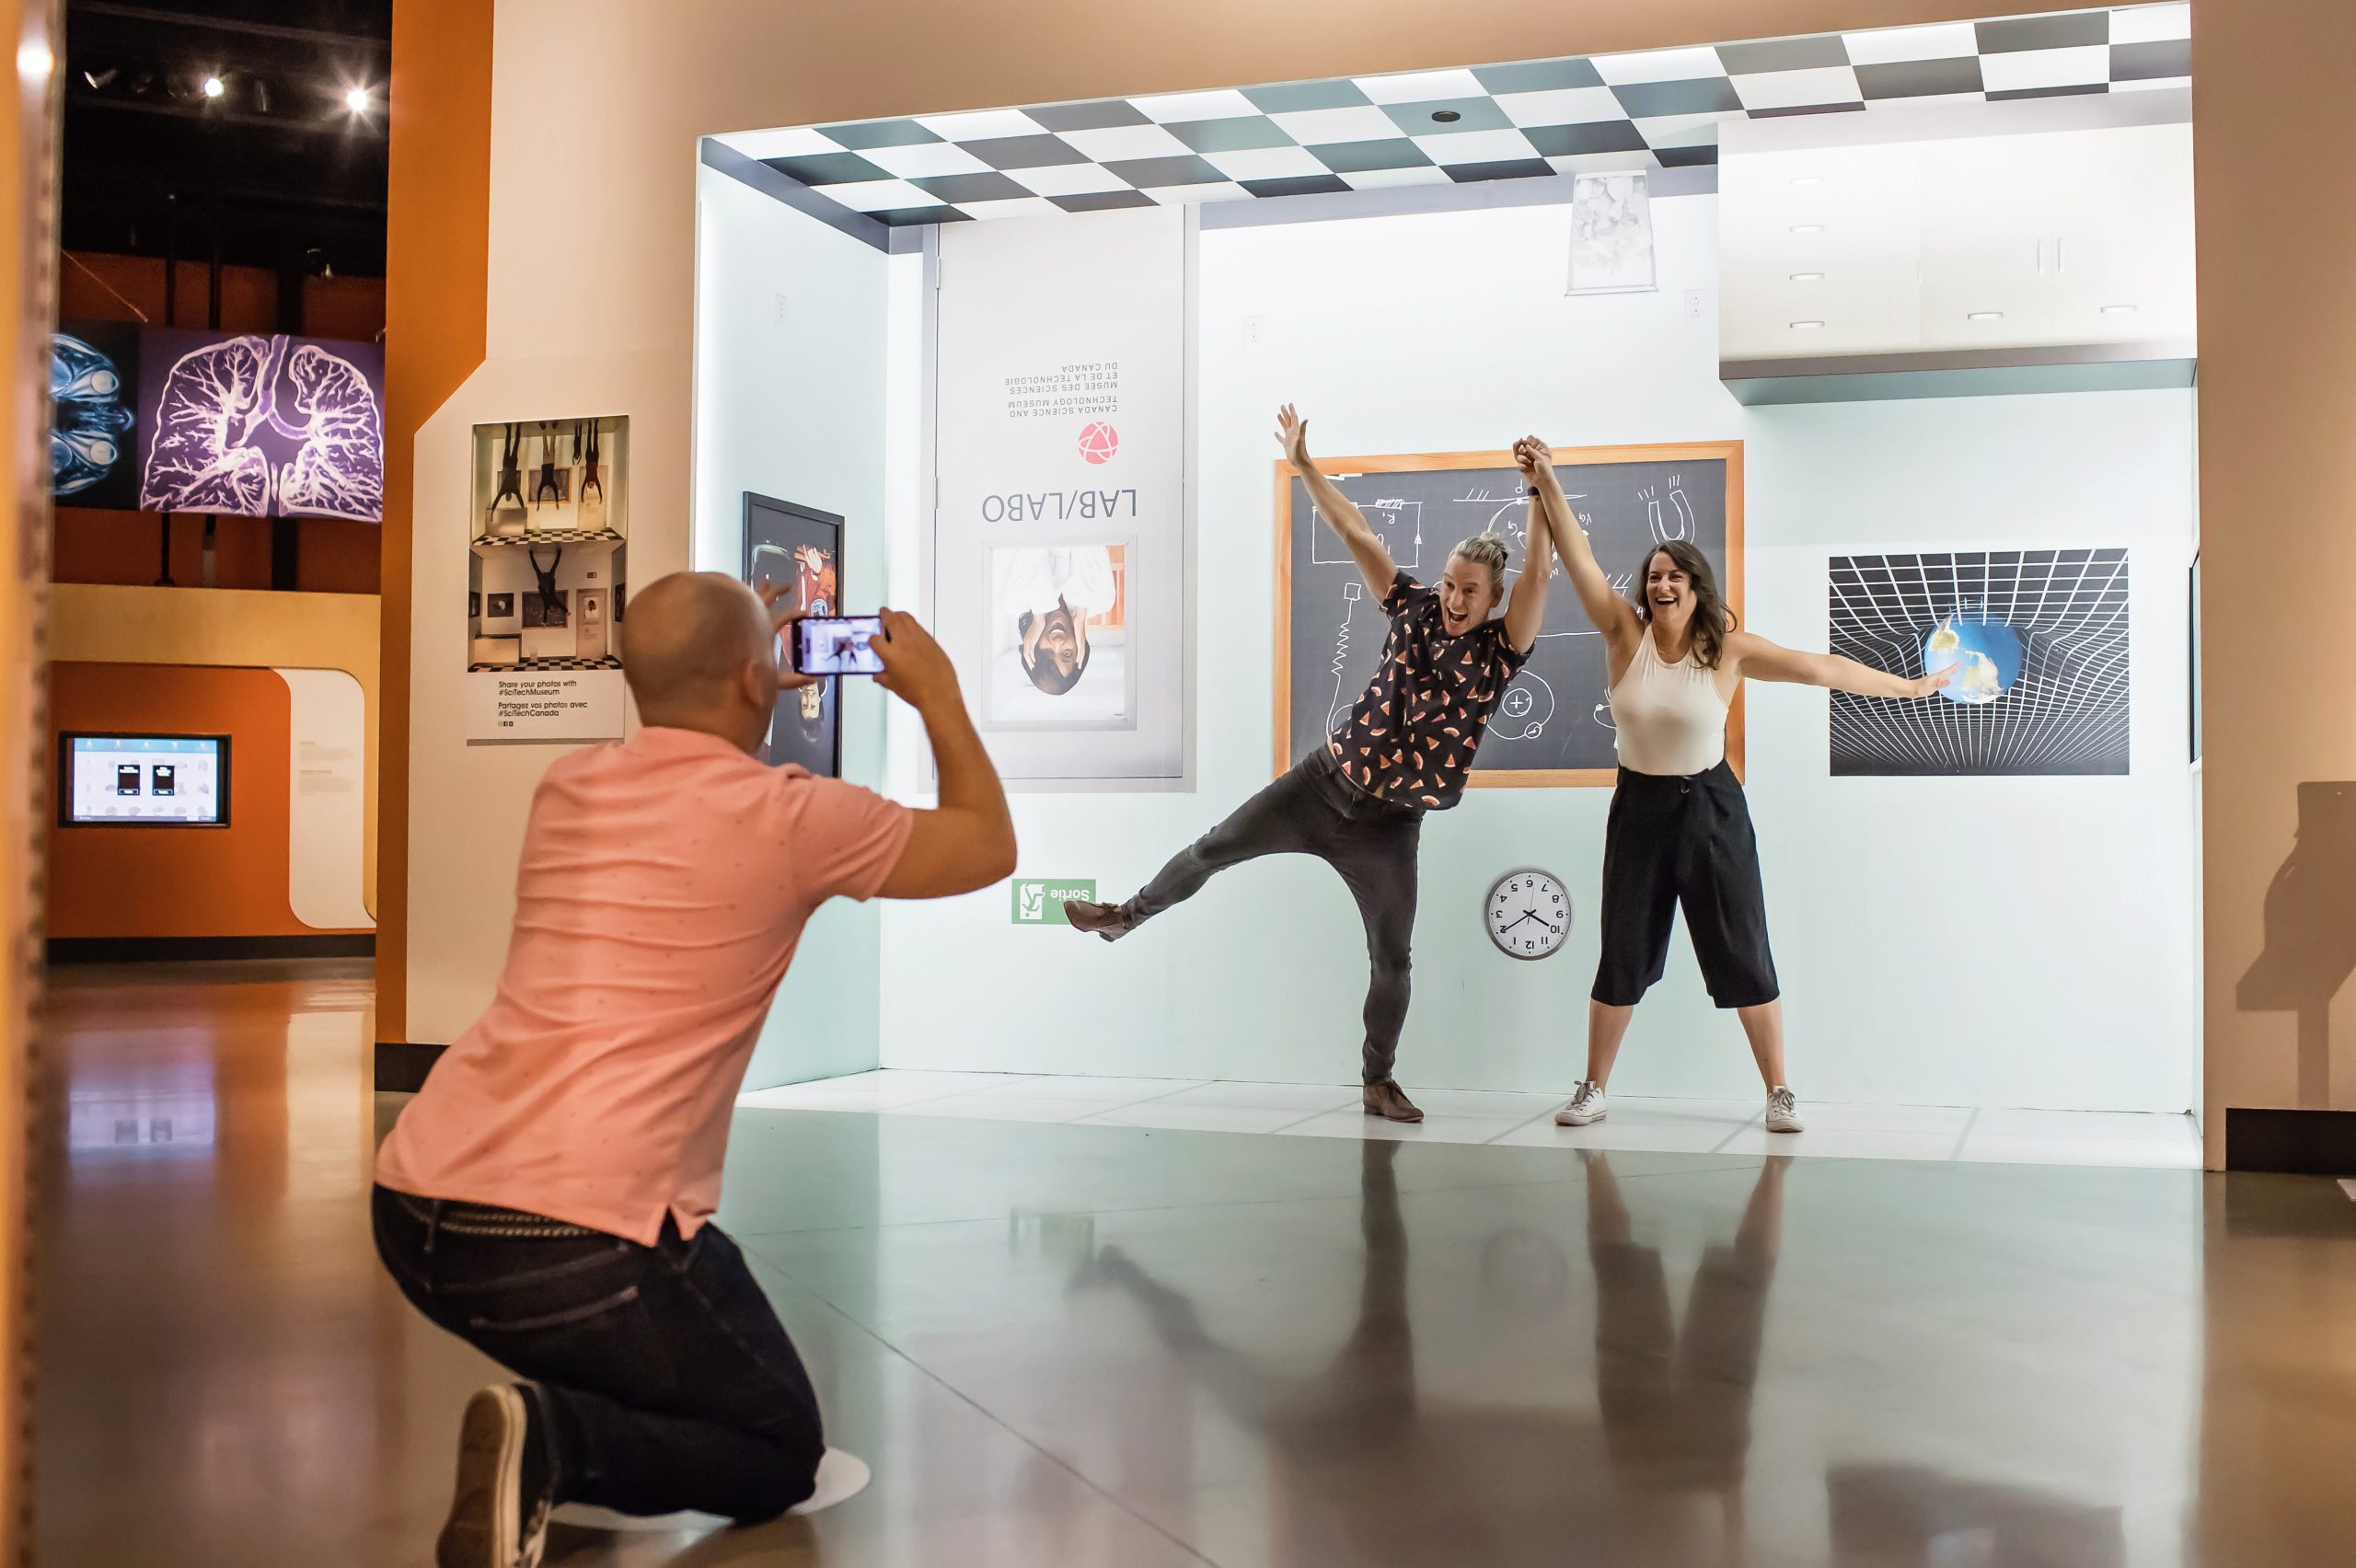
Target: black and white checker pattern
x: 554, y: 536
x: 530, y: 666
x: 1654, y: 109
x: 2067, y: 711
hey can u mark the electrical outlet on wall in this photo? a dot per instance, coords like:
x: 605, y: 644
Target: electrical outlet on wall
x: 781, y: 310
x: 1697, y: 303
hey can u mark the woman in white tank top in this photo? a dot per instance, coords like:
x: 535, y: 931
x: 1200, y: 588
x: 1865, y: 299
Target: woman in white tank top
x: 1679, y: 831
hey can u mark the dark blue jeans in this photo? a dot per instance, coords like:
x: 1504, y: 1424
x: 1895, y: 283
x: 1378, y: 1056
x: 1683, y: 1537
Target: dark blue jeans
x: 665, y: 1378
x: 1312, y: 809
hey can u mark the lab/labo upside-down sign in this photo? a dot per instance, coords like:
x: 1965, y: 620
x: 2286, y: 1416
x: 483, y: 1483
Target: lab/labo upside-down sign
x: 241, y: 424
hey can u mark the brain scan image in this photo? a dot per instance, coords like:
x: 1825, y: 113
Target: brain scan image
x: 257, y: 426
x: 90, y: 415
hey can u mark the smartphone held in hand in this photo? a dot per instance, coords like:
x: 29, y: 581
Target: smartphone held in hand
x: 837, y: 645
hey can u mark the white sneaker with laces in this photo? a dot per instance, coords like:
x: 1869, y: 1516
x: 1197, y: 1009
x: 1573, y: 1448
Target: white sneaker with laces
x: 1585, y: 1107
x: 1783, y: 1111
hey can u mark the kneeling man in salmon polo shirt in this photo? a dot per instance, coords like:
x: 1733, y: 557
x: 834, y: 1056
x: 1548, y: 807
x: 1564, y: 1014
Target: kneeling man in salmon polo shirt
x: 548, y: 1196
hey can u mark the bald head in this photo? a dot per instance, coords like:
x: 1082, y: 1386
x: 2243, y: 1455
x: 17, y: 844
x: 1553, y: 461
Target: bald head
x: 686, y: 641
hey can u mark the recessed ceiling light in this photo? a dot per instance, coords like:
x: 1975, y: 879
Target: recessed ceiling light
x: 36, y: 60
x: 1985, y: 316
x: 1807, y: 228
x: 1447, y: 116
x: 1807, y: 277
x: 213, y: 87
x: 356, y: 99
x: 1807, y: 180
x: 1806, y: 326
x: 2119, y: 310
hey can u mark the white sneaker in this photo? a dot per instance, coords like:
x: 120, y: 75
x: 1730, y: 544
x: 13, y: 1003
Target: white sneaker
x: 1585, y: 1107
x: 1784, y: 1112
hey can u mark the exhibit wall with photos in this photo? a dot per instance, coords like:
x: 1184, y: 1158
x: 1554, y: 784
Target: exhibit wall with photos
x: 546, y: 581
x: 1452, y: 333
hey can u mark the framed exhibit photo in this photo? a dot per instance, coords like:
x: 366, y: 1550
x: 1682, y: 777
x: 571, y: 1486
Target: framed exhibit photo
x: 2038, y: 641
x: 785, y: 543
x: 116, y: 780
x: 546, y: 578
x: 1058, y: 654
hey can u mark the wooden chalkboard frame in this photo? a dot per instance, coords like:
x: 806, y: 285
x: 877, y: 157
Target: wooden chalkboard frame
x: 1727, y: 451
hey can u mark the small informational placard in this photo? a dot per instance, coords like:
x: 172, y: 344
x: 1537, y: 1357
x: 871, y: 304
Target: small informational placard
x: 527, y: 707
x: 1039, y: 901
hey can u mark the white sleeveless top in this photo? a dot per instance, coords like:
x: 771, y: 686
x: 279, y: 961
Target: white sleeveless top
x: 1671, y: 718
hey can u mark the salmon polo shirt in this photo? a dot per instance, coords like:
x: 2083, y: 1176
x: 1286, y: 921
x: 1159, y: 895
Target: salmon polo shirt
x: 665, y: 882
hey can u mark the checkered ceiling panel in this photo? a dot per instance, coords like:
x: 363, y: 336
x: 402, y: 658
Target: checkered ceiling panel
x: 1656, y: 109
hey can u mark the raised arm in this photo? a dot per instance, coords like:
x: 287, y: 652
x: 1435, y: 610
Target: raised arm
x: 1753, y: 655
x: 968, y: 841
x: 1341, y: 513
x: 1614, y: 615
x: 1526, y: 609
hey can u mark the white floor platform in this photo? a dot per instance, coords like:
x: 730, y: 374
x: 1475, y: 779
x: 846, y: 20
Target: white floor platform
x: 1685, y: 1127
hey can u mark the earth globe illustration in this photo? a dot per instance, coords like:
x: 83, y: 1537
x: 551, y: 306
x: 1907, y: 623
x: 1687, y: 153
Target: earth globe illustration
x: 1989, y: 654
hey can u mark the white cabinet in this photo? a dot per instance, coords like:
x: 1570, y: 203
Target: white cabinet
x: 2036, y: 249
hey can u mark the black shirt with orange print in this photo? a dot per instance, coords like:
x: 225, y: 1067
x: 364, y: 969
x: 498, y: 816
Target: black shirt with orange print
x: 1411, y: 737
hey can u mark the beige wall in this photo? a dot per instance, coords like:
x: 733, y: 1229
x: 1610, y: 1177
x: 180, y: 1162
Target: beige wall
x: 2274, y: 147
x: 627, y: 88
x: 2275, y: 159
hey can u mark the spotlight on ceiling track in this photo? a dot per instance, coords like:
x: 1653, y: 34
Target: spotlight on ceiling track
x: 357, y: 100
x: 214, y: 87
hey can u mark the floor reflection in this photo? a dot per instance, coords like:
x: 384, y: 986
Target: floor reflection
x: 1655, y: 1476
x: 1188, y: 1349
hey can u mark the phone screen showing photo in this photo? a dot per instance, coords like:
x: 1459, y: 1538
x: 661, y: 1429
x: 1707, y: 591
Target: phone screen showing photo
x: 837, y: 645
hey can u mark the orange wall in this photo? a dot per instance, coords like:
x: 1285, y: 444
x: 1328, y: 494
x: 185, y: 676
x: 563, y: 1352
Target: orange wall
x: 162, y: 881
x: 92, y: 545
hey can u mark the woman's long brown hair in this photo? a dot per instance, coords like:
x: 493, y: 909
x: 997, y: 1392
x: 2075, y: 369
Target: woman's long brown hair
x: 1712, y: 619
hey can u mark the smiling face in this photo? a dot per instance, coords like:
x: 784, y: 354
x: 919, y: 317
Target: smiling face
x: 1468, y: 590
x: 1669, y: 592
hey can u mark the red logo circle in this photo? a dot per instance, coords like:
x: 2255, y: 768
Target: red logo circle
x: 1099, y: 442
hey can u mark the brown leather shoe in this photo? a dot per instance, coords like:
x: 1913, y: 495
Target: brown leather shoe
x: 1387, y: 1100
x: 1106, y: 920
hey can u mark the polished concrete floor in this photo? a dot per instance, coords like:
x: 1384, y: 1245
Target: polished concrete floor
x: 1080, y: 1344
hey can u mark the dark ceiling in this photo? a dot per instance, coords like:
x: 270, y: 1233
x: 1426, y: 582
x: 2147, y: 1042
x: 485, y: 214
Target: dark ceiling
x: 276, y: 171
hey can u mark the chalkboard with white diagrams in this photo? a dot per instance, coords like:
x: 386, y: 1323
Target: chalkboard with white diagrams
x: 1553, y: 724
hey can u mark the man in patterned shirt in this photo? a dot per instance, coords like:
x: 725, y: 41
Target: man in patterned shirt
x: 1358, y: 803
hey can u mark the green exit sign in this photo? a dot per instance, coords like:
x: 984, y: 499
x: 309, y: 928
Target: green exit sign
x: 1039, y: 901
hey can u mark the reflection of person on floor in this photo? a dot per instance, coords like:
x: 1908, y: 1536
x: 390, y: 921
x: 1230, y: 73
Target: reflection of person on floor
x: 1055, y: 589
x: 1357, y: 801
x: 1677, y: 1406
x: 1371, y: 1471
x: 549, y: 1194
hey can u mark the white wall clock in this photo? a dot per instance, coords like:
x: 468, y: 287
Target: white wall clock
x: 1528, y: 914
